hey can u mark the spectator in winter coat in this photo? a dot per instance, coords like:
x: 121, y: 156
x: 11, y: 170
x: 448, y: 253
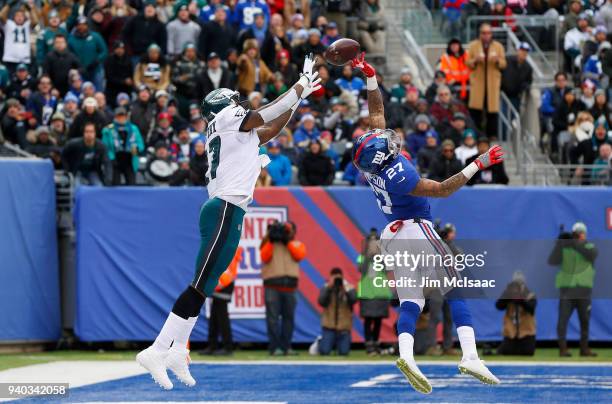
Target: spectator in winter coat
x: 331, y: 34
x: 306, y: 132
x: 493, y: 175
x: 186, y: 76
x: 285, y: 67
x: 259, y: 31
x: 446, y: 164
x: 443, y: 109
x: 253, y: 73
x: 91, y: 50
x: 427, y: 154
x: 454, y: 132
x: 400, y: 90
x: 143, y: 30
x: 13, y: 123
x: 43, y: 103
x: 575, y: 38
x: 453, y: 64
x: 88, y: 114
x: 562, y: 119
x: 198, y: 163
x: 468, y: 147
x: 142, y: 112
x: 371, y: 26
x: 312, y: 45
x: 119, y: 70
x: 22, y: 84
x: 181, y: 31
x: 517, y: 76
x: 123, y: 143
x: 349, y: 82
x: 163, y: 131
x: 280, y: 165
x: 316, y: 168
x: 153, y: 71
x: 59, y: 62
x: 246, y: 9
x: 215, y: 75
x: 519, y: 330
x: 217, y: 35
x: 417, y: 139
x: 87, y: 158
x: 46, y: 38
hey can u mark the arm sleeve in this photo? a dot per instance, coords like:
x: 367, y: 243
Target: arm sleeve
x: 266, y: 251
x: 297, y: 249
x: 324, y: 296
x: 555, y: 255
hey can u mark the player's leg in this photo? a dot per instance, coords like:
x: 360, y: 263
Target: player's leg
x: 470, y: 363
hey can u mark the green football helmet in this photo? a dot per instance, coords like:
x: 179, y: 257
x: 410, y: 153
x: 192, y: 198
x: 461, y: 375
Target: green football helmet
x: 218, y: 100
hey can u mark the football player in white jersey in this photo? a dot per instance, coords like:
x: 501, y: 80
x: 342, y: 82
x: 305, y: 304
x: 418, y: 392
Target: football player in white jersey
x: 234, y: 135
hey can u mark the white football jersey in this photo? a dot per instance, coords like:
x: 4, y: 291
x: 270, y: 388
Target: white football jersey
x: 16, y: 42
x: 233, y: 156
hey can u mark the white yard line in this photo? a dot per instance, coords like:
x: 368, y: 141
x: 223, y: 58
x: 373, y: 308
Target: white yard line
x: 392, y: 362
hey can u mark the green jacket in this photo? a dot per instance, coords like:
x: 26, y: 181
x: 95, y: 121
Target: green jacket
x: 113, y: 143
x: 44, y: 42
x: 89, y: 48
x: 576, y: 260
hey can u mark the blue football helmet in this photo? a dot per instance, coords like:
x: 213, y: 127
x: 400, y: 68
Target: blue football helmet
x: 375, y: 149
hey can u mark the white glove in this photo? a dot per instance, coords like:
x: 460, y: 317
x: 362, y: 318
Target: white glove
x: 309, y: 62
x: 311, y: 86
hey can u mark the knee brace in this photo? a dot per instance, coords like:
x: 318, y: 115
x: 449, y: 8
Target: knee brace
x: 460, y: 312
x: 189, y: 303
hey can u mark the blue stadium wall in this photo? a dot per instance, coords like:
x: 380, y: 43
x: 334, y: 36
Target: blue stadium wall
x: 136, y: 249
x: 29, y: 275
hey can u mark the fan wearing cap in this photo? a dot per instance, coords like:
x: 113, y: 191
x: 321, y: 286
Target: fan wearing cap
x: 518, y: 75
x: 22, y: 84
x: 467, y: 148
x: 306, y: 132
x: 186, y: 74
x: 234, y: 136
x: 124, y: 144
x: 17, y: 32
x: 575, y: 256
x: 181, y: 31
x: 216, y: 75
x: 90, y: 48
x: 163, y: 130
x: 153, y: 70
x: 51, y: 9
x: 402, y: 197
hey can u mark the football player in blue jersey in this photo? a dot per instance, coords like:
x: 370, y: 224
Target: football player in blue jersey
x: 402, y: 196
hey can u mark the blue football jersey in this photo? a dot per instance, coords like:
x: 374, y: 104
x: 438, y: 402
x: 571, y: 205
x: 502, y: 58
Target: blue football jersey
x: 392, y: 187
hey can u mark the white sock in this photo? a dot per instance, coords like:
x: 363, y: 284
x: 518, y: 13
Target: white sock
x: 182, y: 337
x: 468, y: 342
x: 175, y: 329
x: 406, y: 346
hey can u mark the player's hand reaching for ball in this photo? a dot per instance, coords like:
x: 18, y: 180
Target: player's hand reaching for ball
x: 309, y: 62
x: 494, y: 155
x: 309, y: 79
x: 360, y: 63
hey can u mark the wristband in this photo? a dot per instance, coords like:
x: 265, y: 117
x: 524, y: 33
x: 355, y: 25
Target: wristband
x: 303, y: 81
x: 470, y: 170
x: 371, y: 83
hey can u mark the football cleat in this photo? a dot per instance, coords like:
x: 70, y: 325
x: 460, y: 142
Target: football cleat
x: 416, y: 379
x: 154, y: 362
x: 178, y: 362
x: 477, y: 369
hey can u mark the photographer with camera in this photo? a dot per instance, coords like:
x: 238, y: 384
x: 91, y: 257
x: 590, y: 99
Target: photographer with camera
x: 337, y: 298
x: 519, y: 327
x: 280, y: 254
x: 575, y: 257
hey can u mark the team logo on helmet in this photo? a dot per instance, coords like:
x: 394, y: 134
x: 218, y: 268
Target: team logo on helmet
x: 374, y: 149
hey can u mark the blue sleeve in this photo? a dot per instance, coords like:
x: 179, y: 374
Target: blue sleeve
x: 286, y: 172
x: 401, y: 176
x: 350, y: 173
x: 547, y: 108
x: 298, y: 136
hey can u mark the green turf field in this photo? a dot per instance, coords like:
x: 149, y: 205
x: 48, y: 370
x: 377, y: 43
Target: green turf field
x: 8, y: 361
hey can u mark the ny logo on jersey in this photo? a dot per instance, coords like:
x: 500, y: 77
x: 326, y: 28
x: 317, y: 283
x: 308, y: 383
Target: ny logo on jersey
x: 379, y: 157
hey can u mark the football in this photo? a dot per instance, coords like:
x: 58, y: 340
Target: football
x: 342, y: 51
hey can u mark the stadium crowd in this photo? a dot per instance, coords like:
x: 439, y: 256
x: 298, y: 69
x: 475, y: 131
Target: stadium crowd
x: 111, y: 90
x: 575, y: 113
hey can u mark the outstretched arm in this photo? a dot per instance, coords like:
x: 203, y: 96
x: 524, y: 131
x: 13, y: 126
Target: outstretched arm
x: 268, y: 113
x: 426, y: 187
x: 376, y: 107
x: 272, y: 129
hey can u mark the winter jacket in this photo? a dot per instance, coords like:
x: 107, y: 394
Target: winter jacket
x: 143, y: 116
x: 111, y: 137
x: 279, y: 169
x: 186, y: 76
x: 576, y: 259
x: 179, y: 34
x: 140, y: 32
x: 217, y: 38
x: 42, y: 107
x: 516, y: 78
x: 301, y: 137
x: 97, y: 118
x: 89, y: 48
x: 156, y: 75
x: 118, y: 69
x: 485, y: 77
x: 337, y: 306
x: 246, y: 74
x: 441, y: 168
x: 456, y: 70
x: 206, y: 84
x: 316, y: 169
x: 416, y: 140
x: 551, y: 99
x: 519, y: 316
x: 57, y: 65
x: 44, y: 43
x: 424, y: 158
x: 246, y: 9
x: 75, y: 152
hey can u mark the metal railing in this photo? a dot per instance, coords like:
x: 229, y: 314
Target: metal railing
x: 9, y: 150
x: 569, y: 174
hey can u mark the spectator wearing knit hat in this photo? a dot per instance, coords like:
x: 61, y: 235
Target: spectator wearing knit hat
x: 163, y: 131
x: 253, y: 73
x: 119, y: 72
x: 468, y: 147
x: 312, y: 45
x: 153, y: 71
x: 22, y: 84
x: 306, y: 132
x: 316, y: 168
x: 181, y: 31
x: 89, y: 114
x: 418, y: 138
x: 285, y: 67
